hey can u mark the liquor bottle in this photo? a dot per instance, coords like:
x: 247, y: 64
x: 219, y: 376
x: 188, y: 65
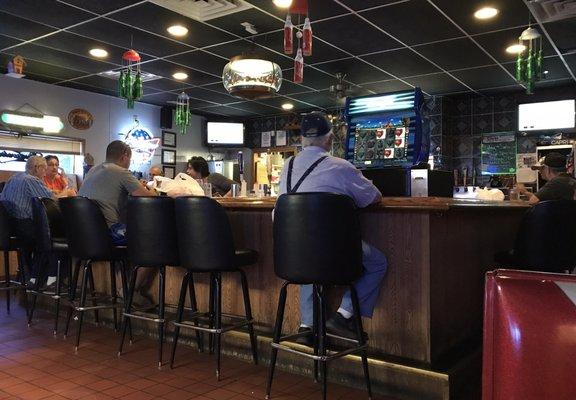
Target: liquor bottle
x: 299, y: 67
x: 307, y: 38
x: 288, y: 36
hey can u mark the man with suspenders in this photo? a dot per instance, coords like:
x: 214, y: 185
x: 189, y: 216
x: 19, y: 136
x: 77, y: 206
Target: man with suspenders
x: 315, y: 170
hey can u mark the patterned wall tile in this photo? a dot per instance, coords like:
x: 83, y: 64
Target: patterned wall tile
x: 462, y: 146
x: 461, y: 125
x: 526, y: 144
x: 436, y: 145
x: 482, y: 105
x: 435, y: 124
x: 505, y: 103
x: 443, y: 163
x: 462, y: 105
x: 432, y: 106
x: 482, y: 124
x: 505, y: 122
x: 476, y: 146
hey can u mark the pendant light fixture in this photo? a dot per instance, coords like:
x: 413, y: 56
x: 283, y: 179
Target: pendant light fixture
x: 130, y: 81
x: 529, y: 68
x: 182, y: 114
x: 251, y: 77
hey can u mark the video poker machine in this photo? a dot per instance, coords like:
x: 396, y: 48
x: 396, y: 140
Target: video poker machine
x: 388, y: 139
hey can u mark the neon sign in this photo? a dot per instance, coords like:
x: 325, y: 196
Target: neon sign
x: 142, y: 143
x: 47, y: 123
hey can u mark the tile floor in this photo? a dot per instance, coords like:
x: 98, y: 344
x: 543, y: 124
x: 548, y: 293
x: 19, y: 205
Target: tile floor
x: 36, y: 365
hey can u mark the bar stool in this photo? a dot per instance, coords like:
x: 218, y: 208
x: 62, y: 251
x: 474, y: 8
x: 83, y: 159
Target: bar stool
x: 152, y: 243
x: 206, y: 245
x: 50, y: 241
x: 89, y: 240
x: 317, y: 241
x: 9, y: 242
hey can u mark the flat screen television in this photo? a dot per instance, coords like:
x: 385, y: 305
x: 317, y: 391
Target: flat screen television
x: 225, y: 134
x: 546, y: 115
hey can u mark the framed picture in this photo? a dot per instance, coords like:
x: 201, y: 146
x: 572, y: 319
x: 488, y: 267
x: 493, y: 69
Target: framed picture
x: 168, y: 139
x: 168, y: 157
x: 169, y: 172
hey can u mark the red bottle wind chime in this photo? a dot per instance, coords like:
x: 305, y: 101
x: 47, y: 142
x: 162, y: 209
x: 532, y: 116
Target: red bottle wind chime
x: 130, y: 82
x: 304, y: 46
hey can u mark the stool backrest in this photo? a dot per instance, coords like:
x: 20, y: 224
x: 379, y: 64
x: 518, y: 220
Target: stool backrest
x: 86, y: 229
x: 204, y: 235
x: 317, y: 239
x: 151, y: 231
x: 4, y: 228
x: 48, y: 223
x: 546, y: 240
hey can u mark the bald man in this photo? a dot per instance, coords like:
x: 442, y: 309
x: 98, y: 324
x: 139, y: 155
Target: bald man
x: 154, y: 171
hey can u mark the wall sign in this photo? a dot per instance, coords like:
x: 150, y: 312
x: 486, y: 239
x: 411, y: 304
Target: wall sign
x: 142, y: 143
x: 80, y: 119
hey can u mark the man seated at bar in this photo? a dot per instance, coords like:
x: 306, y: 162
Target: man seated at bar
x: 315, y: 170
x: 198, y: 169
x: 57, y: 183
x: 153, y: 172
x: 109, y: 184
x: 17, y: 197
x: 559, y: 186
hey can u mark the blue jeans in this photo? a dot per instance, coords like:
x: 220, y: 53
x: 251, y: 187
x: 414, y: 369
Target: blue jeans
x: 368, y: 287
x: 118, y: 233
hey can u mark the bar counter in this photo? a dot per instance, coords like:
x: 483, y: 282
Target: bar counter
x: 426, y: 329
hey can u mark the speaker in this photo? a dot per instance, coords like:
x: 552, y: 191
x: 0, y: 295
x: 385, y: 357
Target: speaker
x: 166, y: 117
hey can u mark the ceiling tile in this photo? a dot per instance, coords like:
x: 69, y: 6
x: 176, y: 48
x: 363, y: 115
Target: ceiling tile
x: 102, y: 6
x: 313, y: 78
x: 127, y: 37
x: 438, y: 83
x: 6, y: 41
x: 244, y: 46
x: 262, y: 22
x: 364, y: 4
x: 257, y: 108
x: 401, y: 63
x: 511, y: 13
x: 229, y: 111
x: 393, y: 85
x: 167, y: 85
x: 211, y: 95
x: 201, y: 60
x: 52, y: 12
x: 88, y: 88
x: 497, y: 42
x: 20, y: 28
x: 59, y: 73
x: 291, y: 87
x: 167, y: 69
x: 554, y: 66
x: 351, y: 33
x: 317, y: 9
x: 398, y: 20
x: 443, y: 54
x: 485, y: 77
x: 563, y: 34
x: 321, y: 99
x: 571, y: 60
x: 156, y: 19
x: 356, y: 71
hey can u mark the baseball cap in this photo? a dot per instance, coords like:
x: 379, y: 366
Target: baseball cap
x: 553, y: 160
x: 315, y: 124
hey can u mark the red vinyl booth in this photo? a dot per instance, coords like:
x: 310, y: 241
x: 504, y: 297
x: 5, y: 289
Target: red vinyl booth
x: 529, y: 336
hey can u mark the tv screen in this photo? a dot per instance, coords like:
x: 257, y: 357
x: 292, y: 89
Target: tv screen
x: 546, y: 115
x: 225, y: 134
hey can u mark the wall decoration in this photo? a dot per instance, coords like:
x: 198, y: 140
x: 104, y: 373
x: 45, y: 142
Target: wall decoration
x: 142, y: 143
x: 182, y: 115
x: 80, y: 119
x: 37, y: 121
x: 169, y: 172
x: 529, y: 68
x: 130, y: 82
x: 168, y: 139
x: 16, y: 66
x: 168, y: 157
x: 298, y: 8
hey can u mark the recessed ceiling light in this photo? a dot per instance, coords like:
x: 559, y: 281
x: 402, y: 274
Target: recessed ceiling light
x: 177, y: 30
x: 515, y: 49
x: 180, y: 76
x: 486, y: 13
x: 546, y: 72
x: 283, y: 3
x: 98, y: 53
x: 287, y: 106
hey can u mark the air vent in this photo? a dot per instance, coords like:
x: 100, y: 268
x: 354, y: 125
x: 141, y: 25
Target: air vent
x: 553, y: 10
x: 146, y: 76
x: 204, y: 10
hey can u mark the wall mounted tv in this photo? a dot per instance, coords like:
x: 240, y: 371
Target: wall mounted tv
x: 225, y: 134
x: 546, y: 115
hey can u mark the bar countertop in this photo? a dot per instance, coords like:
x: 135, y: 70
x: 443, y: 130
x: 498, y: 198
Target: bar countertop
x: 413, y: 203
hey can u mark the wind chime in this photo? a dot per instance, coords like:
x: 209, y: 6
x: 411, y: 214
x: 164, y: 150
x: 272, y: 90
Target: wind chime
x: 529, y: 68
x: 304, y: 44
x: 130, y: 82
x: 182, y: 114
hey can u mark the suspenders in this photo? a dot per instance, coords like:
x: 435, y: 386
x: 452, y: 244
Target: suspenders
x: 311, y: 168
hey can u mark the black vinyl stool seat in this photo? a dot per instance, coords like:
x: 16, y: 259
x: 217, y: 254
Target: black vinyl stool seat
x: 152, y: 243
x: 89, y: 241
x: 317, y: 242
x: 50, y: 240
x: 546, y: 239
x: 10, y: 242
x: 206, y: 245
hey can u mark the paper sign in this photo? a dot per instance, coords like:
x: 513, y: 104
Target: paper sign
x: 280, y: 138
x: 266, y: 139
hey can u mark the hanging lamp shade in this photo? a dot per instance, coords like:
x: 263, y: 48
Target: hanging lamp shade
x: 250, y: 77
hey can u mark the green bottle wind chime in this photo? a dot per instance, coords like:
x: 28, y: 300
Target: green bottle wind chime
x: 182, y: 114
x: 529, y: 69
x: 130, y: 82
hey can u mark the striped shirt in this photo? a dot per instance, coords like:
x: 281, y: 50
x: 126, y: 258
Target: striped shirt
x: 18, y: 193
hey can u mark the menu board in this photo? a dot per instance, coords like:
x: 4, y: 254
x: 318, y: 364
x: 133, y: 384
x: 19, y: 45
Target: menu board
x: 499, y: 154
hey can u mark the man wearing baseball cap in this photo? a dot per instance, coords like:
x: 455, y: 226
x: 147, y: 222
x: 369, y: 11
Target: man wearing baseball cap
x: 559, y: 185
x: 315, y: 170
